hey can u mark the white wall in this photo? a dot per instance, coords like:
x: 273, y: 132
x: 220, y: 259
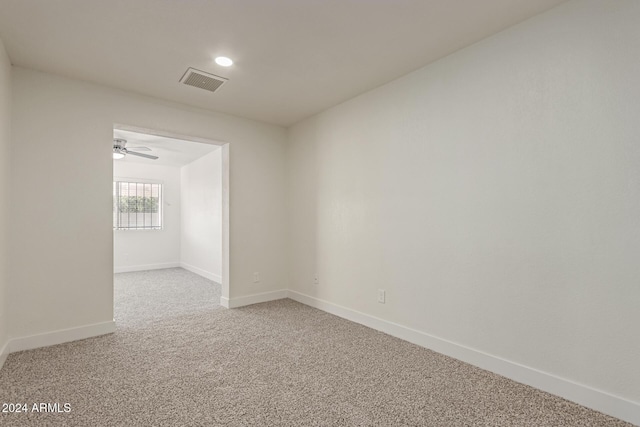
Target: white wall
x: 61, y: 263
x: 135, y: 250
x: 5, y: 136
x: 494, y: 194
x: 201, y: 216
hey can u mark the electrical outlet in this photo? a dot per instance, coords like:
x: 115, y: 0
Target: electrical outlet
x: 316, y: 281
x: 381, y: 296
x: 256, y: 277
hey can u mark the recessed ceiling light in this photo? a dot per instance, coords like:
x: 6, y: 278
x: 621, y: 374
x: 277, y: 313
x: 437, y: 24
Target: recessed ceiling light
x: 224, y: 61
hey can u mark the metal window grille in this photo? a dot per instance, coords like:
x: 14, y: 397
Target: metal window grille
x: 137, y: 206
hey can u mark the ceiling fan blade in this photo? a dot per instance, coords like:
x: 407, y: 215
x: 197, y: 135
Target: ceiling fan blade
x: 148, y: 156
x: 139, y: 148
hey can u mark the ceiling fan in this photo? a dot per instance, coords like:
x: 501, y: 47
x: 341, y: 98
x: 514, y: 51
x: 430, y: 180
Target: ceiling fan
x: 120, y: 150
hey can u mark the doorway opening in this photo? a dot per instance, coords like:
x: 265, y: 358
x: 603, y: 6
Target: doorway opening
x: 170, y: 221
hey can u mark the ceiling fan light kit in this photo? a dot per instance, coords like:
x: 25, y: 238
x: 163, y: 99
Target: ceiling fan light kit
x: 120, y: 150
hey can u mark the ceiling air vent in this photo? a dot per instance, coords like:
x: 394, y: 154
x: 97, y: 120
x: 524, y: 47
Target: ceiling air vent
x: 197, y: 78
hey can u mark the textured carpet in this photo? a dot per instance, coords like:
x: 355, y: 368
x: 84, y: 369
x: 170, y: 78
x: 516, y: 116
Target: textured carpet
x: 179, y: 359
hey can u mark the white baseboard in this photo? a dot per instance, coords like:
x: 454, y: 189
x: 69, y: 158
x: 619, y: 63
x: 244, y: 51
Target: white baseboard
x: 61, y: 336
x: 204, y: 273
x: 579, y: 393
x: 253, y: 299
x: 4, y: 353
x: 144, y: 267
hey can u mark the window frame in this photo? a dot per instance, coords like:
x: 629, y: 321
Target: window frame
x: 116, y: 217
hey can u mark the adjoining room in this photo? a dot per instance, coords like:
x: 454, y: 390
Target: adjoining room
x: 167, y: 215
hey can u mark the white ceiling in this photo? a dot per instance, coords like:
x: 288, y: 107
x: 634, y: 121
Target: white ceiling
x: 170, y: 151
x: 293, y: 58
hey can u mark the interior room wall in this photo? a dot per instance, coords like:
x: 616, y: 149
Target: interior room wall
x: 135, y: 250
x: 61, y: 262
x: 5, y: 137
x: 201, y: 216
x: 494, y: 196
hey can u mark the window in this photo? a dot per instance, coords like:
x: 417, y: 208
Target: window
x: 137, y: 206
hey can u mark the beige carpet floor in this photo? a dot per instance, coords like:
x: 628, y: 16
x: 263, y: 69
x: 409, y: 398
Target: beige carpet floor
x: 179, y: 359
